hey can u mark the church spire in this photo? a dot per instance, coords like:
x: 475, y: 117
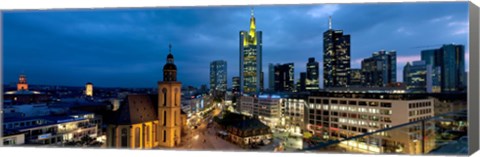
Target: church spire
x: 330, y: 22
x: 170, y: 56
x: 169, y: 70
x: 170, y: 48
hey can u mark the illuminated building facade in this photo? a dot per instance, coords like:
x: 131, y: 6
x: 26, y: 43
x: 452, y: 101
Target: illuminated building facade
x: 169, y: 105
x: 22, y: 83
x: 243, y: 130
x: 149, y: 121
x: 451, y: 60
x: 355, y: 77
x: 135, y: 124
x: 312, y: 82
x: 380, y: 69
x: 284, y: 77
x: 293, y: 112
x: 23, y: 95
x: 420, y: 77
x: 89, y: 89
x: 336, y: 58
x: 340, y: 116
x: 51, y: 130
x: 218, y: 76
x: 251, y: 74
x: 266, y: 107
x: 236, y: 84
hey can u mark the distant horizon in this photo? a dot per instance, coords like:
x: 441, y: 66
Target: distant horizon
x: 127, y: 48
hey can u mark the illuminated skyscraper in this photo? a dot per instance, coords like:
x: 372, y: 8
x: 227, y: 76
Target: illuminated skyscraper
x: 451, y: 60
x: 235, y: 84
x: 218, y: 76
x: 380, y: 69
x: 336, y: 58
x: 355, y: 77
x: 420, y: 77
x: 284, y: 77
x: 311, y: 82
x: 251, y: 74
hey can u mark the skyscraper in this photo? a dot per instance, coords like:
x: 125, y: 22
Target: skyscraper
x: 284, y: 77
x: 420, y: 77
x: 355, y: 77
x: 271, y: 76
x: 235, y: 84
x: 218, y: 76
x: 336, y: 58
x: 301, y: 83
x: 451, y: 60
x: 251, y: 59
x: 380, y: 69
x: 311, y: 82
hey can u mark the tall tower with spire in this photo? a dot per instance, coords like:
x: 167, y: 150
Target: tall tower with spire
x: 336, y: 57
x: 169, y: 92
x: 251, y: 73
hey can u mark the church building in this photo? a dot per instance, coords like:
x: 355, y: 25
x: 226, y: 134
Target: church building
x: 146, y: 121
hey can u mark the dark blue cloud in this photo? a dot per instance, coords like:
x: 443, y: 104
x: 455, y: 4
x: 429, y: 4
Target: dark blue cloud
x: 127, y: 47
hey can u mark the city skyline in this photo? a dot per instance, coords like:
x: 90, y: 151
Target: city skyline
x: 132, y: 45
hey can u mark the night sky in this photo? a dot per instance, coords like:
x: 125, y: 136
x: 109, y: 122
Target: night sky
x: 128, y: 47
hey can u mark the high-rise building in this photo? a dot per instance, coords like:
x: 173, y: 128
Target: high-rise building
x: 218, y: 76
x: 284, y: 77
x: 271, y: 76
x: 301, y: 83
x: 236, y: 84
x: 312, y: 75
x: 251, y: 59
x: 355, y: 77
x: 420, y: 77
x: 451, y: 60
x: 380, y: 69
x: 22, y: 83
x: 89, y: 89
x: 336, y: 58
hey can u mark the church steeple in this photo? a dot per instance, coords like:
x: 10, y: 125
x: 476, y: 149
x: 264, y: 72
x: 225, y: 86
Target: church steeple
x: 170, y: 56
x: 170, y: 69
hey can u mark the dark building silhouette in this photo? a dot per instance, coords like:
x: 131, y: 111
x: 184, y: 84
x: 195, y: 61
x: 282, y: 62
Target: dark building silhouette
x: 284, y: 77
x: 312, y: 75
x: 336, y: 58
x: 451, y: 60
x: 301, y: 83
x: 380, y: 69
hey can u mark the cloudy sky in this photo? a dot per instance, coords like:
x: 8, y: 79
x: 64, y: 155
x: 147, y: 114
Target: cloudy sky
x: 128, y: 47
